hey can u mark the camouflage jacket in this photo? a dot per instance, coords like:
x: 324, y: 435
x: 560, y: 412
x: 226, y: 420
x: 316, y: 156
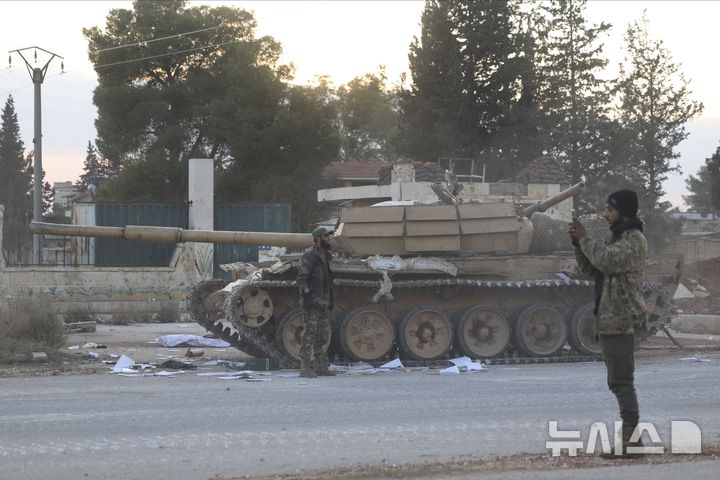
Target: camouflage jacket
x: 315, y: 275
x: 621, y: 262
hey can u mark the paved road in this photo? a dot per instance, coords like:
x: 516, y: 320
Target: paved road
x: 192, y: 427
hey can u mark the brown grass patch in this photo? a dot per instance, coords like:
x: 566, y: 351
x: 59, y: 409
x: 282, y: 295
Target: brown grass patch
x: 29, y: 325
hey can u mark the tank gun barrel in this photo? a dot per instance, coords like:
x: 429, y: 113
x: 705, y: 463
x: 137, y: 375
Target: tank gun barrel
x: 543, y: 205
x: 174, y: 235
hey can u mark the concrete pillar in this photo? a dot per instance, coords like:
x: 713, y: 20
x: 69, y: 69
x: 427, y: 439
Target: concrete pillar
x: 201, y: 187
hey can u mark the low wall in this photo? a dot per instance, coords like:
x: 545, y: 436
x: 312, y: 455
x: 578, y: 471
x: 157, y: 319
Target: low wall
x: 694, y: 249
x: 107, y: 289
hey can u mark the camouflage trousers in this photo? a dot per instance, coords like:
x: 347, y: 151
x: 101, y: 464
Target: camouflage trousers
x: 316, y: 333
x: 618, y: 352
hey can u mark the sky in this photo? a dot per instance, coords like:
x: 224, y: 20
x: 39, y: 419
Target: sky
x: 339, y: 39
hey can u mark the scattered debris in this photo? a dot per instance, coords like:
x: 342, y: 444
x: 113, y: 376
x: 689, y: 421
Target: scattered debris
x: 194, y: 353
x: 81, y: 327
x: 696, y: 358
x: 454, y: 370
x: 124, y: 362
x: 465, y: 364
x: 39, y: 357
x: 173, y: 364
x: 189, y: 341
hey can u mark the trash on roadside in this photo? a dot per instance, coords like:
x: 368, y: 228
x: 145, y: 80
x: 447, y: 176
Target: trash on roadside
x: 454, y: 370
x: 81, y: 327
x: 465, y: 364
x: 197, y: 353
x: 190, y: 341
x: 124, y: 362
x: 92, y: 345
x: 392, y: 364
x: 696, y: 358
x: 173, y: 364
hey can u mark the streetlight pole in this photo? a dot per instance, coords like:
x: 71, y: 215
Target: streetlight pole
x: 37, y: 75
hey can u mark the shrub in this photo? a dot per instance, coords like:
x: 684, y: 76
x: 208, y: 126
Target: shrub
x: 30, y: 325
x: 126, y: 317
x: 169, y: 313
x: 80, y: 313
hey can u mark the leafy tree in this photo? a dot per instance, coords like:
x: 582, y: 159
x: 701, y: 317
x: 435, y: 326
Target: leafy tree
x: 655, y: 106
x: 713, y: 168
x: 15, y: 187
x: 435, y: 113
x: 573, y: 99
x: 296, y: 147
x: 58, y: 215
x: 368, y: 119
x: 97, y: 169
x: 473, y: 86
x: 162, y: 102
x: 700, y: 187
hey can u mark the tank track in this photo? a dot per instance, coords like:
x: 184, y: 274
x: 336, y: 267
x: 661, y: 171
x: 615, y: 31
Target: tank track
x: 257, y: 343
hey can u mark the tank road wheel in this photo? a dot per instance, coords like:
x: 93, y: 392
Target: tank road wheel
x: 482, y: 332
x: 425, y: 333
x: 366, y: 334
x: 255, y: 306
x: 289, y: 332
x: 583, y: 329
x: 540, y: 331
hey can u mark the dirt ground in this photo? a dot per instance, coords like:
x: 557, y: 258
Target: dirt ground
x: 704, y: 277
x: 131, y: 340
x: 474, y: 466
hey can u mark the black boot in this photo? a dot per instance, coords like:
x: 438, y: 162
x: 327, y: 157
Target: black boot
x: 321, y: 366
x: 627, y: 431
x: 306, y: 370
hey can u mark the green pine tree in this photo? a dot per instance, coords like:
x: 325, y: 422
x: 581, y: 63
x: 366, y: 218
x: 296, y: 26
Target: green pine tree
x: 15, y: 188
x: 655, y: 106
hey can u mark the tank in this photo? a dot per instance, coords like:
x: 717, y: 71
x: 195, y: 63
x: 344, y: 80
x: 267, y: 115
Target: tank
x: 490, y: 280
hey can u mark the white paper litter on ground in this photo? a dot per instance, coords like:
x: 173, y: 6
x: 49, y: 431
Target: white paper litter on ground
x: 124, y: 362
x: 696, y: 358
x: 190, y: 341
x: 358, y: 367
x: 454, y: 370
x: 466, y: 364
x: 289, y: 375
x: 392, y: 364
x: 163, y: 373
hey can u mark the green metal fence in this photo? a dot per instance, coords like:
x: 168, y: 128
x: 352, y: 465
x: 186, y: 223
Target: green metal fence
x: 264, y: 217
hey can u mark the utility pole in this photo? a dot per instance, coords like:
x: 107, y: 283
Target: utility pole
x: 37, y: 75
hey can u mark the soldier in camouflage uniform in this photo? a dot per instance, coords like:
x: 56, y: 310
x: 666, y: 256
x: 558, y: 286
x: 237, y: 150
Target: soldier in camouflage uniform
x: 617, y: 265
x: 314, y: 280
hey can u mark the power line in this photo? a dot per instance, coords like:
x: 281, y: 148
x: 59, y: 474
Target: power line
x: 144, y: 42
x: 165, y: 54
x: 127, y: 61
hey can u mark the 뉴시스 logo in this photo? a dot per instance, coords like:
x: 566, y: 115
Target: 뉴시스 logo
x: 685, y: 437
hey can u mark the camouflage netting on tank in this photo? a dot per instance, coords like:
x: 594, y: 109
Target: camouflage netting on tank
x: 549, y: 234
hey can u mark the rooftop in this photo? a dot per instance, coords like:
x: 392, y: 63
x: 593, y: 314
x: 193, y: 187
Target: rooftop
x: 353, y: 170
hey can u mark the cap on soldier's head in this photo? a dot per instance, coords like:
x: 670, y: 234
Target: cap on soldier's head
x: 625, y: 202
x: 319, y: 231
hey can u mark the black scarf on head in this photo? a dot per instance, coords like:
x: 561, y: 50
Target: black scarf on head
x: 617, y: 230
